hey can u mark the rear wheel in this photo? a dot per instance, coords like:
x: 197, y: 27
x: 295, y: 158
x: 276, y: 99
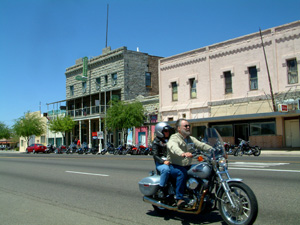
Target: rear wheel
x: 257, y: 151
x: 246, y: 207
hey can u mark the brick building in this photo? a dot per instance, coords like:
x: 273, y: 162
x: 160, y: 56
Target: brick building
x: 119, y: 74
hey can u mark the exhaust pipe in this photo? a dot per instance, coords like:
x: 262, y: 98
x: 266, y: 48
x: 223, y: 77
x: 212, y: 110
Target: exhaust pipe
x: 159, y: 204
x: 175, y: 208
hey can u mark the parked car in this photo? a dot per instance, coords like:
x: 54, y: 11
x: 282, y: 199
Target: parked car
x: 35, y: 148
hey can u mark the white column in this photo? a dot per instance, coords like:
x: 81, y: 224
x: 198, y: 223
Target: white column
x: 90, y: 134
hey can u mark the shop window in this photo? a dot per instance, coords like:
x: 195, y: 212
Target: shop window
x: 224, y: 130
x: 268, y: 128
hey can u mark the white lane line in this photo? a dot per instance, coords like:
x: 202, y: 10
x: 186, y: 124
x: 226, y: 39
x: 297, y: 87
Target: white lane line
x: 92, y: 174
x: 271, y: 170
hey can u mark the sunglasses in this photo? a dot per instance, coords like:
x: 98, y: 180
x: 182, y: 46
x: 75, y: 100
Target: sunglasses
x: 186, y: 126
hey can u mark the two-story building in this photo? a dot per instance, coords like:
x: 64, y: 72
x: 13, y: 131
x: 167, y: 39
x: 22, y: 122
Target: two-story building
x: 238, y: 89
x: 119, y: 74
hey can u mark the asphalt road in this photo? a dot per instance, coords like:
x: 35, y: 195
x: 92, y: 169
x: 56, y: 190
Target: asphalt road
x: 86, y: 189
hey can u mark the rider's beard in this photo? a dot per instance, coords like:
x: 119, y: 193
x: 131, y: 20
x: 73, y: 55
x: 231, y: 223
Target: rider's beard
x: 185, y: 133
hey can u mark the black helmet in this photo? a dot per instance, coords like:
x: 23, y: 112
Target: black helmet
x: 160, y: 127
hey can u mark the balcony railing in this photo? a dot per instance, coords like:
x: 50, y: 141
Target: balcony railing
x: 87, y: 111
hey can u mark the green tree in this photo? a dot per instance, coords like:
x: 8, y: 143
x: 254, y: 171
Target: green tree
x: 62, y: 124
x: 5, y: 131
x: 123, y: 116
x: 28, y: 125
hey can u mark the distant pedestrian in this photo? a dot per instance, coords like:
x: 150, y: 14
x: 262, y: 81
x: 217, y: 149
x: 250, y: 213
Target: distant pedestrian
x: 78, y: 143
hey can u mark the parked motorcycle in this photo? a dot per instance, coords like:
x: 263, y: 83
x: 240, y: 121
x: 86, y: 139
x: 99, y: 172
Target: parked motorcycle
x: 50, y: 148
x: 229, y: 148
x: 71, y: 149
x: 244, y: 148
x: 60, y: 150
x: 209, y: 187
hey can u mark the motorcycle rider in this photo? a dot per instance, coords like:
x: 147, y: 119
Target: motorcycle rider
x: 159, y: 149
x: 180, y: 148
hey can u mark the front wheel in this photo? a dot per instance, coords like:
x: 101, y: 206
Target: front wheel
x: 246, y: 207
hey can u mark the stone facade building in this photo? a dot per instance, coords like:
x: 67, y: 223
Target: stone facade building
x: 119, y: 74
x: 226, y: 86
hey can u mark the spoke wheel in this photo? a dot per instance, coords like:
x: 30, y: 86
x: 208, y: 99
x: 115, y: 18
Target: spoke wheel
x: 257, y: 151
x: 245, y: 201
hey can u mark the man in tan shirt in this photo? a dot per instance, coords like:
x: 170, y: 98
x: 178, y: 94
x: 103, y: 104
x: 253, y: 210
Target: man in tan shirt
x: 180, y: 147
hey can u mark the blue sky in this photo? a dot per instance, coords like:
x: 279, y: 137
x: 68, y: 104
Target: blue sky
x: 41, y: 38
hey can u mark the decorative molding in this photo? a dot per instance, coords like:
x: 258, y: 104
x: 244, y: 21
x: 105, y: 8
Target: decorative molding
x: 181, y: 64
x: 239, y: 50
x: 288, y: 38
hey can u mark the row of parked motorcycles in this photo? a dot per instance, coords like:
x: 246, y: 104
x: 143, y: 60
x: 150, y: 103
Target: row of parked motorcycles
x: 243, y: 148
x: 84, y: 149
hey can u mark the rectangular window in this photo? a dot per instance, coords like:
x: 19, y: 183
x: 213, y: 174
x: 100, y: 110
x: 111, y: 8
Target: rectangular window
x: 43, y: 139
x: 267, y: 128
x: 148, y: 79
x: 193, y: 90
x: 224, y: 130
x: 98, y: 82
x: 72, y: 90
x: 253, y: 78
x: 228, y: 82
x: 174, y: 91
x: 84, y: 87
x: 106, y: 79
x: 292, y: 71
x: 114, y: 78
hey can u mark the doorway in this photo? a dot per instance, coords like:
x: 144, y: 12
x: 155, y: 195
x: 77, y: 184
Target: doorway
x: 241, y: 131
x: 292, y: 133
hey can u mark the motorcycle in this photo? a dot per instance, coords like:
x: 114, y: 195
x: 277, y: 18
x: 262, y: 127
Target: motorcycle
x: 208, y: 187
x: 60, y: 150
x: 50, y: 148
x: 229, y: 148
x: 244, y: 148
x: 71, y: 149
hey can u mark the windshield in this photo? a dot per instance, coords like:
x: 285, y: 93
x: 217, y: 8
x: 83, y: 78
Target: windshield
x: 213, y: 138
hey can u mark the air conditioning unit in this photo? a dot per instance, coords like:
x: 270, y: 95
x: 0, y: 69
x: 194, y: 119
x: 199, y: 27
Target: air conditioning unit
x: 282, y: 108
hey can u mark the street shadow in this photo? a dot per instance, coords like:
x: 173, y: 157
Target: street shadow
x: 189, y: 219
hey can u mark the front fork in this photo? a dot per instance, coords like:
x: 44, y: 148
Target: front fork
x: 225, y: 178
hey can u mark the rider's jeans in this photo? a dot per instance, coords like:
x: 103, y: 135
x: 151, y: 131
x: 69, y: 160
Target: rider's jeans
x: 164, y: 173
x: 180, y: 174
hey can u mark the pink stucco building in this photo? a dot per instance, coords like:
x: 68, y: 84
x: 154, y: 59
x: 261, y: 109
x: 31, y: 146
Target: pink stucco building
x: 226, y: 85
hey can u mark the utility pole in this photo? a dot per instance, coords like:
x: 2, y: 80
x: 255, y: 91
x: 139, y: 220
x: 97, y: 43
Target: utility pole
x: 269, y: 78
x: 106, y: 27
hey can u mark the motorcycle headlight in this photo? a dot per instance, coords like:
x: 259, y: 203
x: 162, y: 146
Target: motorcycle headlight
x: 222, y: 162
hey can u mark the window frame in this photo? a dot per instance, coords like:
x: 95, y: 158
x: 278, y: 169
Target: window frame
x: 72, y: 90
x: 226, y: 83
x: 114, y: 79
x: 98, y: 84
x: 174, y: 88
x: 289, y: 71
x: 148, y: 82
x: 193, y: 88
x: 253, y: 80
x: 261, y: 127
x: 84, y: 87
